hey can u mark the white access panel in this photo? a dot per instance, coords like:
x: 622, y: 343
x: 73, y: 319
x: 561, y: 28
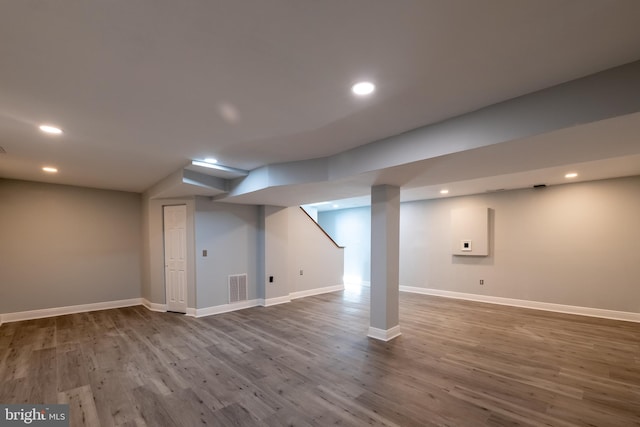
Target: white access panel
x: 470, y: 231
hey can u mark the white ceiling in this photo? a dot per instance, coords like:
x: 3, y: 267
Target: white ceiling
x: 588, y: 171
x: 142, y: 88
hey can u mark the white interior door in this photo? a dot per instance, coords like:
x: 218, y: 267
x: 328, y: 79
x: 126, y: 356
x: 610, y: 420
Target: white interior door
x: 175, y: 257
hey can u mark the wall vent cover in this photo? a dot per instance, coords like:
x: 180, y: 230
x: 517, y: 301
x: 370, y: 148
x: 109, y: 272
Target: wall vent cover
x: 237, y: 287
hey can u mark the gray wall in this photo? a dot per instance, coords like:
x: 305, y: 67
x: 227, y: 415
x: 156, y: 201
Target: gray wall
x: 351, y: 228
x: 63, y: 245
x: 276, y: 252
x: 573, y: 244
x: 229, y: 233
x: 321, y: 261
x: 259, y: 241
x: 294, y: 242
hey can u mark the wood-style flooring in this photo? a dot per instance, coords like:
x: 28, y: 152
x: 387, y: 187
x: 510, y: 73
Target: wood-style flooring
x: 309, y: 363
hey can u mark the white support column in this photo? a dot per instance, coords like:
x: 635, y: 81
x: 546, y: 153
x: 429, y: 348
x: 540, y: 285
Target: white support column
x: 385, y: 262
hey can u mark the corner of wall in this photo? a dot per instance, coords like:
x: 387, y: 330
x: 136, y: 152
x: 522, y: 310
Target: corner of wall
x: 153, y: 249
x: 145, y: 268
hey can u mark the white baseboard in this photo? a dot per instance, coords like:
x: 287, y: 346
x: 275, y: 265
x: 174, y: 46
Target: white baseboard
x: 226, y: 308
x: 163, y: 308
x: 384, y: 335
x: 299, y: 294
x: 274, y: 301
x: 154, y: 306
x: 317, y: 291
x: 201, y: 312
x: 536, y: 305
x: 72, y: 309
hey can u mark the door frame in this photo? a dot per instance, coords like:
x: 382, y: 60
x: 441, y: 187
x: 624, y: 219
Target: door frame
x: 186, y: 258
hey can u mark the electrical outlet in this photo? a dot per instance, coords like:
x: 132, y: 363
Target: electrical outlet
x: 482, y: 281
x: 270, y: 279
x: 204, y: 252
x: 301, y: 272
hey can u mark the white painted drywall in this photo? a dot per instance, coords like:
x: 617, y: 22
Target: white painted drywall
x: 351, y: 228
x: 310, y: 250
x: 276, y: 252
x: 470, y: 226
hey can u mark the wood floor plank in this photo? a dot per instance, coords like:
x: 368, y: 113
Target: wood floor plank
x: 192, y: 408
x: 153, y: 409
x: 309, y: 363
x: 112, y: 391
x: 15, y: 391
x: 72, y: 370
x: 82, y: 408
x: 42, y: 376
x: 16, y: 362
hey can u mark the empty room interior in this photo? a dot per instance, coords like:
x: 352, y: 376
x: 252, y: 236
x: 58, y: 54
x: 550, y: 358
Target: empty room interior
x: 303, y: 213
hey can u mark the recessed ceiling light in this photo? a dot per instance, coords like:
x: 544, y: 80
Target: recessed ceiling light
x: 336, y: 206
x: 363, y: 88
x: 211, y: 160
x: 444, y: 191
x: 571, y: 175
x: 50, y: 169
x: 50, y: 129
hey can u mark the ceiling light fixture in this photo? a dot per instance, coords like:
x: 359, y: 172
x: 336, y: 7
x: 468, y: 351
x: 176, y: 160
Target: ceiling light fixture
x: 444, y: 191
x: 363, y: 88
x: 49, y: 169
x: 50, y: 129
x: 336, y: 206
x: 221, y: 168
x: 211, y: 160
x: 571, y: 175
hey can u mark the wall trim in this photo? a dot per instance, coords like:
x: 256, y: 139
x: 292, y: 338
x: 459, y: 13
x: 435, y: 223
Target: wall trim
x: 316, y: 291
x: 274, y: 301
x: 535, y: 305
x: 384, y: 335
x: 154, y: 306
x: 226, y: 308
x: 72, y: 309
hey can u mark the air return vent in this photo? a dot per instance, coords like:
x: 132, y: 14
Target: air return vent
x: 237, y: 287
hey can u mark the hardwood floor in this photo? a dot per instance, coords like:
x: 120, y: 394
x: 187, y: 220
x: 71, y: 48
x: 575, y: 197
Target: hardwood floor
x: 309, y: 363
